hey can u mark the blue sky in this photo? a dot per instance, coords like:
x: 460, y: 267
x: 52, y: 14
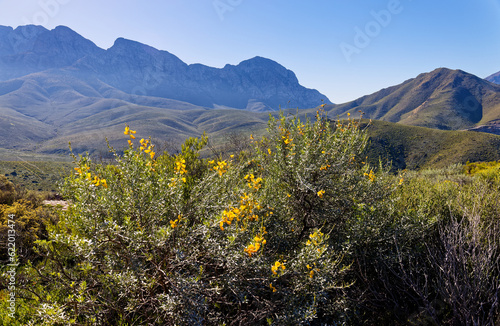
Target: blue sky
x: 343, y: 48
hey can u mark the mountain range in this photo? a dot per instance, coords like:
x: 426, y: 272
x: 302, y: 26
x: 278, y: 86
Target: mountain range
x: 441, y: 99
x: 56, y: 86
x: 256, y: 84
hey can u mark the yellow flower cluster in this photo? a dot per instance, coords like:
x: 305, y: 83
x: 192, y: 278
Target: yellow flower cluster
x: 176, y: 222
x: 315, y: 238
x: 220, y: 166
x: 311, y: 270
x: 276, y: 267
x: 324, y: 167
x: 370, y: 175
x: 97, y: 181
x: 245, y: 210
x: 320, y: 193
x: 81, y: 170
x: 300, y: 128
x: 253, y: 182
x: 147, y: 147
x: 180, y: 166
x: 129, y: 132
x: 255, y: 246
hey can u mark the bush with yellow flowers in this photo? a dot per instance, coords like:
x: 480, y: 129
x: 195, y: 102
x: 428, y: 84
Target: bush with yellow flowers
x: 159, y: 239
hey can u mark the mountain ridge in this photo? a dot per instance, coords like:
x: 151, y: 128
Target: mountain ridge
x: 494, y: 78
x: 256, y: 84
x: 441, y: 99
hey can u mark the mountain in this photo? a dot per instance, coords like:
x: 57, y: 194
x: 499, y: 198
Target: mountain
x: 495, y: 78
x: 410, y: 147
x: 256, y: 84
x: 29, y: 49
x: 442, y: 99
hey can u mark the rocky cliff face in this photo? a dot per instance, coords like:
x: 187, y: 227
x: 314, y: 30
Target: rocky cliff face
x: 256, y: 84
x: 30, y: 49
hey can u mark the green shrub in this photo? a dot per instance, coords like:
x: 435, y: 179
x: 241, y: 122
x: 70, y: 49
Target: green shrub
x: 161, y: 239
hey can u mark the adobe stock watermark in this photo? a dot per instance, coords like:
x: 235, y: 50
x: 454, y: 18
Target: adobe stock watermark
x: 372, y: 29
x: 48, y: 9
x: 13, y: 263
x: 223, y: 6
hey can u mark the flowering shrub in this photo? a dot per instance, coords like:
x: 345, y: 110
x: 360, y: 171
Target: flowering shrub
x: 297, y: 230
x: 177, y: 239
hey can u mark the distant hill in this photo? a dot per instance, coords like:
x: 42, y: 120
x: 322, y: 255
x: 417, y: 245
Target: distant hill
x: 495, y: 78
x: 442, y: 99
x: 410, y: 147
x: 256, y: 84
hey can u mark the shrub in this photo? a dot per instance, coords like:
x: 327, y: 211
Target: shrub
x: 176, y: 239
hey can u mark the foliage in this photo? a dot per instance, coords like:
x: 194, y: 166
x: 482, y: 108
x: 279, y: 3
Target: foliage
x: 176, y: 239
x: 298, y: 229
x: 487, y: 170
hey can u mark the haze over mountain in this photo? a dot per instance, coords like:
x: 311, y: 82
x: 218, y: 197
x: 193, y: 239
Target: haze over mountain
x: 257, y: 84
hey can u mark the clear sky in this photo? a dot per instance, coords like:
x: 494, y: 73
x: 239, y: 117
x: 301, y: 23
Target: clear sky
x: 343, y: 48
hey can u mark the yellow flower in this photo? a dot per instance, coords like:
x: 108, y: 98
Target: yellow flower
x: 269, y: 151
x: 321, y: 193
x: 253, y: 248
x: 104, y: 183
x: 129, y: 142
x: 272, y: 287
x: 370, y: 175
x: 311, y: 274
x: 129, y: 132
x: 276, y: 266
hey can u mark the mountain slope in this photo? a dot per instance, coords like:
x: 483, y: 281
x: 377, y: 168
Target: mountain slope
x: 29, y: 49
x: 442, y: 99
x: 256, y: 84
x: 495, y: 78
x: 410, y: 147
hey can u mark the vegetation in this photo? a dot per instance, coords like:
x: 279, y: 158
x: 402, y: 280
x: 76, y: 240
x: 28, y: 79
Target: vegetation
x: 409, y: 147
x: 296, y: 229
x: 37, y: 176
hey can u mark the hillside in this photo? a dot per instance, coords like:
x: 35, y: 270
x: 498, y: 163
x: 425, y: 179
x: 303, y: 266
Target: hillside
x: 410, y: 147
x: 442, y: 99
x: 495, y: 78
